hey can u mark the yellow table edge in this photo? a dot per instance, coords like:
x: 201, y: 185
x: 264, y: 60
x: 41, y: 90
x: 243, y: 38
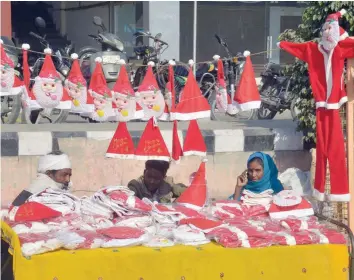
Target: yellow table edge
x: 211, y: 261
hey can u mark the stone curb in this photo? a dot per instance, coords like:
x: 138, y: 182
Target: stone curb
x: 217, y: 140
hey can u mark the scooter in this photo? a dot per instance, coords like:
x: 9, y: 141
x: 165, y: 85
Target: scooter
x: 112, y: 51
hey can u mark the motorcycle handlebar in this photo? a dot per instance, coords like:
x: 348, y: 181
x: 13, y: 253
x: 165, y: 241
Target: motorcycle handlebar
x: 35, y: 35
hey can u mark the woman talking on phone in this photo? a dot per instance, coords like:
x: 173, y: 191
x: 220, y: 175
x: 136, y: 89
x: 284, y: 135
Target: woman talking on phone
x: 261, y: 174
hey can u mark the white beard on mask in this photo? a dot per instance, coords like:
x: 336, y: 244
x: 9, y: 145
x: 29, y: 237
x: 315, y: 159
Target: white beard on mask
x: 77, y: 93
x: 330, y: 35
x: 126, y: 107
x: 48, y: 92
x: 102, y: 111
x: 7, y: 79
x: 221, y: 99
x: 152, y: 103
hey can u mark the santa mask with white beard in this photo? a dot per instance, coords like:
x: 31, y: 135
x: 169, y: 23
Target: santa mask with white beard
x: 77, y: 92
x: 7, y: 77
x: 48, y: 88
x: 331, y: 31
x: 103, y: 108
x: 150, y: 96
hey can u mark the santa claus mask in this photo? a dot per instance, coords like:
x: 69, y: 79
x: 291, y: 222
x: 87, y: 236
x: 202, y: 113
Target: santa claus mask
x: 48, y: 92
x: 221, y: 98
x: 125, y: 107
x: 7, y: 78
x: 153, y: 103
x: 103, y: 108
x: 78, y: 93
x: 330, y: 35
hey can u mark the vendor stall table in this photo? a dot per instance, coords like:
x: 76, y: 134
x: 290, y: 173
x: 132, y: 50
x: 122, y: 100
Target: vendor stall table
x: 211, y: 261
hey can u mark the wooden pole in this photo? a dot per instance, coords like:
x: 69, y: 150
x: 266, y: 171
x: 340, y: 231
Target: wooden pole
x: 350, y: 138
x: 6, y: 19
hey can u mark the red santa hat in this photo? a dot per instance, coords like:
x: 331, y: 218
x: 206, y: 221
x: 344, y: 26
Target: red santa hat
x: 342, y: 34
x: 177, y: 151
x: 193, y: 105
x: 149, y: 83
x: 5, y: 59
x: 194, y: 143
x: 98, y: 86
x: 336, y: 16
x: 32, y: 211
x: 196, y: 194
x: 151, y: 144
x: 26, y: 71
x: 247, y: 95
x: 139, y: 112
x: 48, y: 70
x: 75, y: 75
x: 121, y: 145
x: 287, y: 203
x: 122, y: 86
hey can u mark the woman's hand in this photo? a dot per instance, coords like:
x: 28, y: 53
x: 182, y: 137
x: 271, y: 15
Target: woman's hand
x: 242, y: 180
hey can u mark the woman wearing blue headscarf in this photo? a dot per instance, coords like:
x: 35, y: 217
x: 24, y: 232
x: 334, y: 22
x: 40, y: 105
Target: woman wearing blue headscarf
x: 261, y: 175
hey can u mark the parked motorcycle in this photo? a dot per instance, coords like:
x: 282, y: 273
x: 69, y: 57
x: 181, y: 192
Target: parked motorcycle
x: 276, y: 93
x: 10, y: 104
x: 62, y: 64
x: 111, y: 52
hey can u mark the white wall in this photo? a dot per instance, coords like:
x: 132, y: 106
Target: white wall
x: 164, y: 18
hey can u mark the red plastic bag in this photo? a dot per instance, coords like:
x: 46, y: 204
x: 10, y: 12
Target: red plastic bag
x: 121, y: 232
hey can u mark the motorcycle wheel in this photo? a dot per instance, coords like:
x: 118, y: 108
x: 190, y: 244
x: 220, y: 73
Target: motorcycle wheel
x: 264, y: 113
x: 46, y: 116
x: 85, y: 64
x: 294, y: 109
x: 13, y: 104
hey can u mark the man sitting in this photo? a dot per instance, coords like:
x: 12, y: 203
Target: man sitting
x: 54, y: 171
x: 154, y: 184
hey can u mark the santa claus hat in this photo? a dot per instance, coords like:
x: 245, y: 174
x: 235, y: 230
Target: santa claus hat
x: 192, y: 105
x: 98, y: 86
x: 287, y: 203
x: 75, y: 75
x: 196, y: 194
x: 48, y: 70
x: 336, y: 16
x: 32, y: 211
x: 5, y: 59
x: 121, y: 145
x: 149, y: 83
x: 139, y: 112
x: 194, y: 143
x: 177, y: 151
x: 151, y: 144
x: 343, y: 34
x: 122, y: 86
x: 247, y: 95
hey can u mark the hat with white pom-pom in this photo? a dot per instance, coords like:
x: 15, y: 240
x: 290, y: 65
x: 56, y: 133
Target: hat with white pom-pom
x: 98, y: 87
x: 48, y: 70
x: 122, y: 87
x: 5, y: 59
x: 75, y: 75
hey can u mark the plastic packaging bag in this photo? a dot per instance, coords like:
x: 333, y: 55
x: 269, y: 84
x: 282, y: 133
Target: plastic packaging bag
x: 80, y: 239
x: 159, y: 242
x: 129, y: 201
x: 299, y: 224
x: 187, y: 236
x: 38, y: 243
x: 140, y: 221
x: 114, y: 242
x: 118, y: 232
x: 297, y: 180
x: 329, y: 236
x: 202, y: 224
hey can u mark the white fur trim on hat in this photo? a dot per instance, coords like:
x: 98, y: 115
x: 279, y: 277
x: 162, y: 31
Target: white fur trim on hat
x: 1, y: 41
x: 26, y: 47
x: 48, y: 51
x: 216, y: 57
x: 205, y: 160
x: 74, y: 56
x: 172, y: 62
x: 343, y: 36
x: 246, y: 53
x: 190, y: 62
x: 122, y: 61
x: 342, y: 12
x: 151, y: 63
x: 98, y: 59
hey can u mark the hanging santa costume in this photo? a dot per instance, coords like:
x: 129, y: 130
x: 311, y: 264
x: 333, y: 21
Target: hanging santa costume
x: 194, y: 143
x: 121, y: 145
x: 76, y: 87
x: 124, y: 101
x: 192, y: 105
x: 247, y: 95
x: 48, y: 88
x: 101, y: 94
x: 195, y: 196
x: 151, y: 144
x: 150, y: 96
x: 325, y: 66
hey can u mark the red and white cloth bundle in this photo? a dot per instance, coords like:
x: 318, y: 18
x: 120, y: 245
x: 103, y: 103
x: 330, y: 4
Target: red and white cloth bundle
x: 123, y: 236
x: 300, y: 224
x: 295, y: 238
x: 264, y: 198
x: 140, y: 221
x: 187, y: 235
x: 38, y: 243
x: 202, y: 224
x: 227, y: 209
x: 329, y: 236
x: 80, y: 239
x: 128, y: 201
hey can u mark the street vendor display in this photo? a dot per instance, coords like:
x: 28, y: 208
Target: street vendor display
x: 326, y: 64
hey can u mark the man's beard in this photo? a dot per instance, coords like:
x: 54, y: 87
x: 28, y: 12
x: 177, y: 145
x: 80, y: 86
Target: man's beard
x: 7, y: 80
x: 44, y: 100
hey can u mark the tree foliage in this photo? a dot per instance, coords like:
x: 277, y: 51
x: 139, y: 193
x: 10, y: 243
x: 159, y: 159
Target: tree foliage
x: 313, y: 18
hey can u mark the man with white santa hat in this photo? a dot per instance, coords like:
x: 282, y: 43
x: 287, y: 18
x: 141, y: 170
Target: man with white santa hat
x: 150, y: 97
x: 76, y: 86
x: 48, y: 88
x: 101, y: 94
x: 325, y: 66
x: 123, y: 96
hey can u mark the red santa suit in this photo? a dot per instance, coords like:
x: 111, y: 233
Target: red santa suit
x: 325, y: 66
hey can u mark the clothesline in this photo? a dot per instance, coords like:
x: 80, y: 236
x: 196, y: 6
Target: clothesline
x: 143, y: 65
